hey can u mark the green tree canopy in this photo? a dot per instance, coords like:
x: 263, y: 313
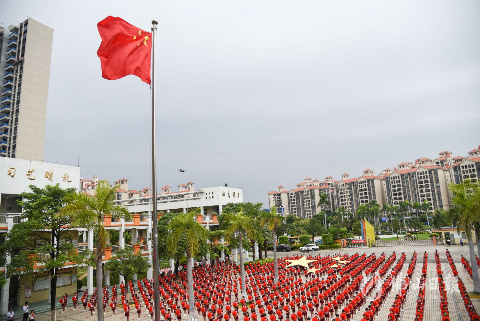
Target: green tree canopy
x: 184, y: 226
x: 89, y: 211
x: 43, y: 236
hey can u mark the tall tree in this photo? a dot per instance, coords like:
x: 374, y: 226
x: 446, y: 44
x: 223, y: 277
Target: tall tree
x: 240, y: 228
x: 89, y: 211
x: 126, y: 263
x: 43, y: 236
x: 184, y: 226
x: 273, y: 221
x: 323, y: 202
x: 374, y: 210
x: 163, y: 251
x: 425, y: 207
x: 254, y: 212
x: 314, y: 226
x: 466, y: 198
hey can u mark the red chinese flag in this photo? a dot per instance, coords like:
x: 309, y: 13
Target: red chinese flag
x: 125, y: 49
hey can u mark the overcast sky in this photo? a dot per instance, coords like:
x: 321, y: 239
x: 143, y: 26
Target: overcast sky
x: 261, y: 93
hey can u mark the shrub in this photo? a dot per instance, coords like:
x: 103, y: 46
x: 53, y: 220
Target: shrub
x: 329, y: 246
x: 283, y: 239
x: 304, y: 239
x: 327, y: 239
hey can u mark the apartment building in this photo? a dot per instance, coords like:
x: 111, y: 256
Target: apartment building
x: 420, y: 182
x: 425, y: 180
x: 25, y: 56
x: 304, y: 200
x: 467, y: 168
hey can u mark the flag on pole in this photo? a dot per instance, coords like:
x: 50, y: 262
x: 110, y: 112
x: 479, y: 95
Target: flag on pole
x: 125, y: 50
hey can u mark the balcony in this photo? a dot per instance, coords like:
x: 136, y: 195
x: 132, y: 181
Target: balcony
x: 12, y: 43
x: 7, y: 92
x: 4, y: 135
x: 3, y: 152
x: 8, y: 84
x: 7, y: 99
x: 13, y: 35
x: 12, y: 51
x: 8, y: 75
x: 6, y: 117
x: 11, y: 58
x: 5, y: 109
x: 3, y: 125
x: 3, y: 143
x: 9, y: 67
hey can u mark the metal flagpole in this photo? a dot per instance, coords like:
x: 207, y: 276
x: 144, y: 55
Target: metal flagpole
x: 156, y: 267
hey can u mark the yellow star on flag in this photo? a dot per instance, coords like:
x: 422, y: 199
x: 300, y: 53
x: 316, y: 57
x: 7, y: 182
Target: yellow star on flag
x: 336, y: 258
x: 343, y: 262
x: 301, y: 262
x: 334, y: 266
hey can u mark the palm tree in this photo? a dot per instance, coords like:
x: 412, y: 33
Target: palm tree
x: 374, y: 209
x: 417, y: 207
x: 89, y: 211
x: 387, y: 209
x: 323, y: 202
x: 403, y: 208
x: 466, y: 198
x: 184, y: 226
x: 362, y: 211
x: 241, y: 227
x: 272, y: 220
x: 425, y: 206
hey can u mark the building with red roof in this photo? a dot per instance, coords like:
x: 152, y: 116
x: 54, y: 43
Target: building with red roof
x: 425, y: 180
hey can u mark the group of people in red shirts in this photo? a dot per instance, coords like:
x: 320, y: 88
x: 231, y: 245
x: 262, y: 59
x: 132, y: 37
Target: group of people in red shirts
x: 472, y: 313
x: 333, y: 288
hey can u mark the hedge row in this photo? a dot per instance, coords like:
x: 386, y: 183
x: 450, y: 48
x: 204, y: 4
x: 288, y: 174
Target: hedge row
x: 329, y: 246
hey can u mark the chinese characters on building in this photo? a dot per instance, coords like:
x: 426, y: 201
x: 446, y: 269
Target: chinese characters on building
x: 12, y: 171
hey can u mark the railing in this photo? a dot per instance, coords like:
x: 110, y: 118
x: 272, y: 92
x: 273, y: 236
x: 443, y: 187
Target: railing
x: 380, y: 243
x: 8, y: 82
x: 3, y: 216
x: 13, y: 34
x: 12, y: 42
x: 5, y: 107
x: 8, y: 74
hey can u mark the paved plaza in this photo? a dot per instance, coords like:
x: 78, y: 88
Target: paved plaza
x: 456, y: 306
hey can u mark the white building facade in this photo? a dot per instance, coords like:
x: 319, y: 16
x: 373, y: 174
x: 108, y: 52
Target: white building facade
x: 16, y: 175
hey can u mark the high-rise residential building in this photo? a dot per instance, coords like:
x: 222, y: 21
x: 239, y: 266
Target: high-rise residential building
x: 422, y: 181
x: 26, y: 51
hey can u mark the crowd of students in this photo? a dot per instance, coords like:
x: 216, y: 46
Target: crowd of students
x: 420, y: 307
x: 472, y: 313
x: 334, y: 288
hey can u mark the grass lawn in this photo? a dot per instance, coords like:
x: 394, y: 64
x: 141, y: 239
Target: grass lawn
x: 423, y: 236
x: 386, y: 239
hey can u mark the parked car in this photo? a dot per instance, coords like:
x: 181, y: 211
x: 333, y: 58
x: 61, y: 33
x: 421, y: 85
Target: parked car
x: 283, y: 248
x: 309, y: 247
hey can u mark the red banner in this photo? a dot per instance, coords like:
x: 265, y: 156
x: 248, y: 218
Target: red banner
x: 358, y: 241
